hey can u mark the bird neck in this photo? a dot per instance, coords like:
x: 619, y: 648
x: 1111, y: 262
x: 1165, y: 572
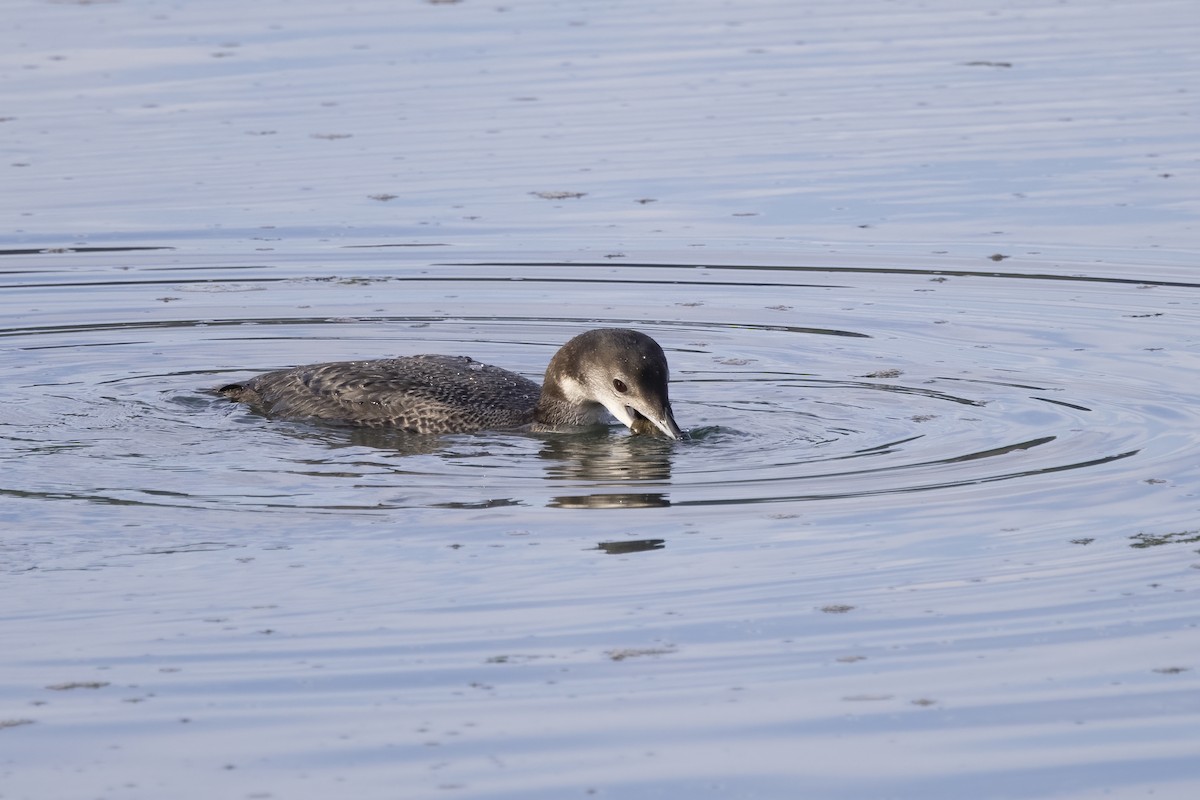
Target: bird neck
x: 555, y: 408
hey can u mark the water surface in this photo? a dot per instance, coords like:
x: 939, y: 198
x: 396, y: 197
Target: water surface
x: 926, y: 277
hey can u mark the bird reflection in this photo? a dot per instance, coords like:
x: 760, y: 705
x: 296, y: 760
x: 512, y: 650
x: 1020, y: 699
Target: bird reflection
x: 602, y: 463
x: 338, y: 436
x: 608, y: 458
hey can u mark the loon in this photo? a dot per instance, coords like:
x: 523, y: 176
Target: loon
x: 614, y: 369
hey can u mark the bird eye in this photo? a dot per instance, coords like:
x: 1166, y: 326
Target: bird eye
x: 620, y: 386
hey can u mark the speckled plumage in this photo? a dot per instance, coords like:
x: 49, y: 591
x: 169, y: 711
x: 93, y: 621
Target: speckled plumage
x: 620, y: 370
x: 422, y: 394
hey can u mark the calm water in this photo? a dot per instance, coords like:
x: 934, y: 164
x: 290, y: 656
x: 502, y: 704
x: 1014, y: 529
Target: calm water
x: 929, y: 281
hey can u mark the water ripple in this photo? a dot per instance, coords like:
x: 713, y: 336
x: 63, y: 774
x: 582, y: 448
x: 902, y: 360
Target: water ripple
x: 906, y: 382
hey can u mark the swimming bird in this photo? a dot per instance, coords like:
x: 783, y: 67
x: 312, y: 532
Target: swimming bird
x: 617, y: 370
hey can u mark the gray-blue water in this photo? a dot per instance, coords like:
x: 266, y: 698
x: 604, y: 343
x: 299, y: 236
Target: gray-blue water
x: 928, y: 277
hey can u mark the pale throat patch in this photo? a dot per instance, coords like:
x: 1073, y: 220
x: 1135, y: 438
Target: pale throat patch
x: 576, y: 394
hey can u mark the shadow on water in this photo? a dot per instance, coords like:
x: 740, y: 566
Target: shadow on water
x: 631, y: 546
